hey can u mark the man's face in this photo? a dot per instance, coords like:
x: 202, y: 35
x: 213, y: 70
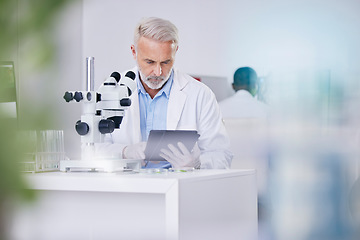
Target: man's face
x: 155, y: 60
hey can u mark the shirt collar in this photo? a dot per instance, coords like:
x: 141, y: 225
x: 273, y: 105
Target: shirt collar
x: 243, y: 92
x: 165, y: 89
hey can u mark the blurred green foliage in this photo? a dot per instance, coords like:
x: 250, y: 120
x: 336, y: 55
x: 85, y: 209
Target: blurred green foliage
x: 25, y: 25
x: 25, y: 30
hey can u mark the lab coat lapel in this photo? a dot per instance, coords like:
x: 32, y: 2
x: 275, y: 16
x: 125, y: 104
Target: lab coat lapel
x: 177, y: 101
x: 135, y: 115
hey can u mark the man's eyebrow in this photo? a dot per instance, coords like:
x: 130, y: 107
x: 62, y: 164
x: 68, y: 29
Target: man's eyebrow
x: 166, y: 61
x: 148, y: 59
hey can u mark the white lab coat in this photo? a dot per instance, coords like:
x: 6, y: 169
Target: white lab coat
x: 243, y: 105
x: 246, y: 120
x: 192, y: 106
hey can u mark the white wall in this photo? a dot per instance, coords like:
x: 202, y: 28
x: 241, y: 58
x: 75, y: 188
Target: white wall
x: 70, y: 63
x: 216, y: 37
x: 41, y: 89
x: 109, y: 26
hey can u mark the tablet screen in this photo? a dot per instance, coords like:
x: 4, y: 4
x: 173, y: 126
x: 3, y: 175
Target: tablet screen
x: 159, y: 139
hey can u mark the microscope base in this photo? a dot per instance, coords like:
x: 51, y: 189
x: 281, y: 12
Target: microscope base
x: 101, y: 165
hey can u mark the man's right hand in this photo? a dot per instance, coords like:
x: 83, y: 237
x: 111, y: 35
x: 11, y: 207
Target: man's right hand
x: 135, y: 151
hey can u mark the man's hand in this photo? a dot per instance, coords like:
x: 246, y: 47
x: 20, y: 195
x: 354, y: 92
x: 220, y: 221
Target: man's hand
x: 180, y: 156
x: 135, y: 151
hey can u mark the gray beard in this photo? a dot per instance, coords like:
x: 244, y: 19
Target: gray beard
x: 157, y: 84
x: 154, y: 84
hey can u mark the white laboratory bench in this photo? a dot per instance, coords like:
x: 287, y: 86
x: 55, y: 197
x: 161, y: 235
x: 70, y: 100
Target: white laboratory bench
x: 204, y: 204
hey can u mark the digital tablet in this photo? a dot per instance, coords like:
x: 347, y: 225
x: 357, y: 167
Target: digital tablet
x: 159, y: 139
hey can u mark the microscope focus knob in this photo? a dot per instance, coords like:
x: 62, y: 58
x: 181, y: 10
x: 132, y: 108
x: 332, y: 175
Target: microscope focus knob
x: 125, y: 102
x: 106, y: 126
x: 68, y: 96
x: 82, y: 128
x: 78, y: 96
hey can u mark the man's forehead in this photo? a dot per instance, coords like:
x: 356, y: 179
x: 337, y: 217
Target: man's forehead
x: 158, y: 53
x: 153, y: 43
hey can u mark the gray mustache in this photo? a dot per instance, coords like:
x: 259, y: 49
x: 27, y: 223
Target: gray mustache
x: 155, y: 78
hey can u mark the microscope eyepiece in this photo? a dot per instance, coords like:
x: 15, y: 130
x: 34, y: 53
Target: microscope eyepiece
x: 116, y: 75
x: 130, y: 74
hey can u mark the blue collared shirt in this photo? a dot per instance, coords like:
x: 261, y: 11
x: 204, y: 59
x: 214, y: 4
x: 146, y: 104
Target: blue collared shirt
x: 153, y: 112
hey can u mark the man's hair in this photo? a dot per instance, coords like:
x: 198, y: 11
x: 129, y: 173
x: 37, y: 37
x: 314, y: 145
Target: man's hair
x: 157, y: 29
x: 245, y: 78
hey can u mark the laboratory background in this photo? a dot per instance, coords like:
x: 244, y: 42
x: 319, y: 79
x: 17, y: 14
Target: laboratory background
x: 306, y: 54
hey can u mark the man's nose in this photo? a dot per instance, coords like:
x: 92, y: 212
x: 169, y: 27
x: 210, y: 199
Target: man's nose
x: 158, y: 70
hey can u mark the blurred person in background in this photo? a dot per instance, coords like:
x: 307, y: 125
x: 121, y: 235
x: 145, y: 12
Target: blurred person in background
x: 245, y: 119
x: 243, y: 104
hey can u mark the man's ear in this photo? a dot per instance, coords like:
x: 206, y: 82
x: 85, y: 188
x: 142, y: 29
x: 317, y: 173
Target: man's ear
x: 133, y: 51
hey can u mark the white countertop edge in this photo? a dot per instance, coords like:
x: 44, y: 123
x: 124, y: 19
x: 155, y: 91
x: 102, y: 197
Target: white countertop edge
x: 127, y: 183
